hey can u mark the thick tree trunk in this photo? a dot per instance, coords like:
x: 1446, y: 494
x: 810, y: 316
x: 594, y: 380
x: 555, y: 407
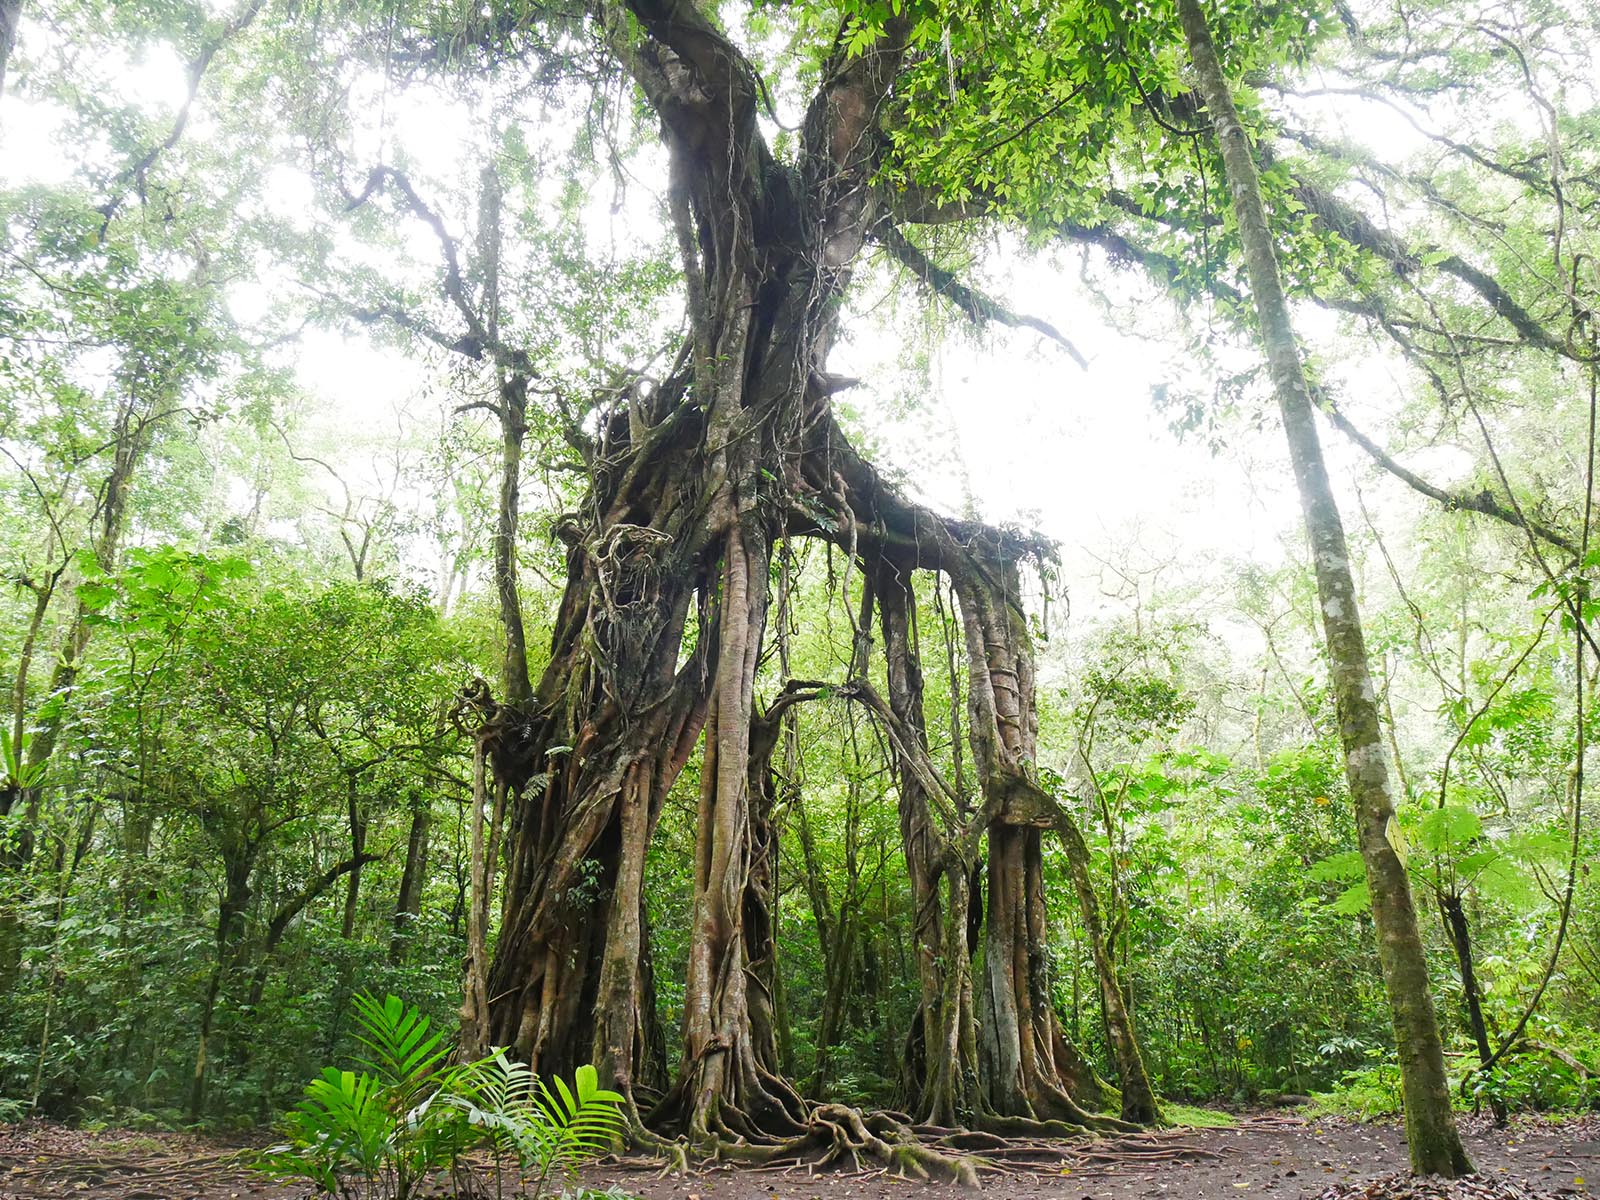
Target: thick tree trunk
x: 1430, y: 1124
x: 623, y: 1048
x: 692, y: 485
x: 1037, y: 1073
x: 590, y: 760
x: 729, y: 1084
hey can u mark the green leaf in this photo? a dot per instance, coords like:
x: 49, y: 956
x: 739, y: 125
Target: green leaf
x: 1339, y: 868
x: 1353, y: 900
x: 1442, y: 829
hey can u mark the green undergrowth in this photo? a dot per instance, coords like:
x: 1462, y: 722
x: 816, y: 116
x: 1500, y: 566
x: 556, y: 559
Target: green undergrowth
x: 1190, y: 1116
x: 1536, y: 1080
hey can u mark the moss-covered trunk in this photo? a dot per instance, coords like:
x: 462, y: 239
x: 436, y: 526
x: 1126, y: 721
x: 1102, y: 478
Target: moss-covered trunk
x: 1430, y: 1124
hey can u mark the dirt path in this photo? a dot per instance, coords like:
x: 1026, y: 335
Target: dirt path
x: 1267, y: 1157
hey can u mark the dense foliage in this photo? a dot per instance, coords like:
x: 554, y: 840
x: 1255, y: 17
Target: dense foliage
x: 243, y: 601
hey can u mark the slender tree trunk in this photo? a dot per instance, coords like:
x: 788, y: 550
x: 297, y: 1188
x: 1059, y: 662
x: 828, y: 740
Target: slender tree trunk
x: 237, y: 868
x: 358, y: 846
x: 408, y: 901
x: 472, y: 1040
x: 133, y: 429
x: 513, y: 428
x: 1430, y: 1124
x: 281, y: 920
x: 1455, y: 923
x: 513, y: 412
x: 816, y: 889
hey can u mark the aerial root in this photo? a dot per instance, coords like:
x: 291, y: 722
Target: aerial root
x: 765, y: 1131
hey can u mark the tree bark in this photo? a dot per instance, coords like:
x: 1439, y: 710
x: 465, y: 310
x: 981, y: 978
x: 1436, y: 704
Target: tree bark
x: 1430, y: 1124
x: 1138, y: 1095
x: 408, y: 900
x: 358, y: 846
x: 945, y: 1082
x: 472, y: 1037
x: 238, y: 863
x: 1455, y: 923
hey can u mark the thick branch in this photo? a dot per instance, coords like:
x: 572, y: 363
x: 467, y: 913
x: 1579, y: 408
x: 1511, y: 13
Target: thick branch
x: 980, y: 309
x: 137, y: 171
x: 1483, y: 502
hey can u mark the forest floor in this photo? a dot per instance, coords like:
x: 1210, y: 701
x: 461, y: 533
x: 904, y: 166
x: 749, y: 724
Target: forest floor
x: 1267, y: 1156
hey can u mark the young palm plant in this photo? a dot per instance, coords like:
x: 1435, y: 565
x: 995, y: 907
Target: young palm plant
x: 378, y: 1133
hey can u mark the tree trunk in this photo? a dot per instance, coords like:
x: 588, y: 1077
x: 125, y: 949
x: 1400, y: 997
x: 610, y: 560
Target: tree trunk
x: 238, y: 865
x: 1138, y: 1096
x: 278, y: 926
x: 589, y: 762
x: 1455, y: 923
x: 358, y: 846
x: 693, y: 483
x: 408, y: 901
x: 472, y: 1039
x: 728, y: 1085
x: 944, y: 1084
x: 513, y: 428
x: 1430, y: 1125
x: 761, y: 893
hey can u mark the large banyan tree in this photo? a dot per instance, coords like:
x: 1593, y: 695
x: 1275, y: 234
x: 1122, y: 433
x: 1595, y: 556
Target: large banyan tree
x: 698, y: 484
x: 1079, y: 118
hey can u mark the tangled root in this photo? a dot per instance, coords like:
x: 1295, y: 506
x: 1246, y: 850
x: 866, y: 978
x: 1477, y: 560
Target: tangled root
x: 833, y: 1135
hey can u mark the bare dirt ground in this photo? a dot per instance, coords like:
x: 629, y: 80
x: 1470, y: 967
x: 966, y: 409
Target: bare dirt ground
x: 1267, y: 1157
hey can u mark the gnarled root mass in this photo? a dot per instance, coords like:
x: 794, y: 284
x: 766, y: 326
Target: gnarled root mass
x: 838, y: 1135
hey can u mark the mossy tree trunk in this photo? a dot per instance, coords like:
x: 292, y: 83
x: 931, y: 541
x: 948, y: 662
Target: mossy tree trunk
x: 1430, y: 1124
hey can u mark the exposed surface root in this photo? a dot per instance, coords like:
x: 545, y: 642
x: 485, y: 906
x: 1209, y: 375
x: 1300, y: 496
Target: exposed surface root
x: 836, y: 1135
x: 1032, y: 1127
